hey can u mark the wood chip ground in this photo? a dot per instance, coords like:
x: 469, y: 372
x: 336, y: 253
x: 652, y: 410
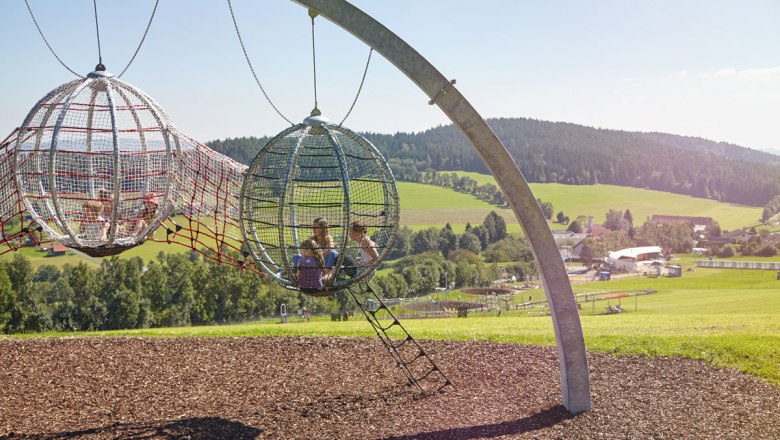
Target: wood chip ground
x: 349, y: 388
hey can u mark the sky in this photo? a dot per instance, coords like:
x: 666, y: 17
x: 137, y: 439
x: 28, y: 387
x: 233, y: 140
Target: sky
x: 697, y: 68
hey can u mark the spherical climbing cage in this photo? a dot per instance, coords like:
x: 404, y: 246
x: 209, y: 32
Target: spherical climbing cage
x: 95, y: 161
x: 317, y: 170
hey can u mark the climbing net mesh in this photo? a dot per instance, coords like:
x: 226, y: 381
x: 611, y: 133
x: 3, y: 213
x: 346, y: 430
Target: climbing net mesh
x: 204, y: 214
x: 85, y: 158
x: 310, y: 172
x: 98, y: 167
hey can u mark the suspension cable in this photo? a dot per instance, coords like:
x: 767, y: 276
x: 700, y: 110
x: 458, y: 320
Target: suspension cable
x: 313, y: 14
x: 100, y: 57
x: 246, y: 56
x: 47, y: 41
x: 100, y: 65
x: 148, y: 25
x: 365, y: 71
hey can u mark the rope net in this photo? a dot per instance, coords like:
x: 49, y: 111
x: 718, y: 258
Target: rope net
x: 207, y: 216
x: 98, y: 167
x: 18, y: 229
x: 311, y: 172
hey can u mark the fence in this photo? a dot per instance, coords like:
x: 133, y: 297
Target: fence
x: 725, y: 264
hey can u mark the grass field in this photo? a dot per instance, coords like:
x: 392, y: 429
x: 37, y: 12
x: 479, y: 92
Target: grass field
x: 424, y: 206
x: 596, y: 200
x: 729, y: 318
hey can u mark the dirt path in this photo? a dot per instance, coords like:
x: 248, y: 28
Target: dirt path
x: 307, y: 388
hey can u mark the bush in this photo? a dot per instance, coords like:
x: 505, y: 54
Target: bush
x: 767, y: 250
x: 727, y: 252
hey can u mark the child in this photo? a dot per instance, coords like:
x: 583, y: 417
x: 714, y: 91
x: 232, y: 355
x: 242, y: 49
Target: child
x: 323, y: 238
x: 146, y: 214
x: 325, y: 242
x: 368, y: 253
x: 310, y: 266
x: 107, y: 199
x: 93, y: 226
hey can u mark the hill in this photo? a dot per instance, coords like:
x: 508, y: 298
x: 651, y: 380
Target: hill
x: 558, y: 152
x: 424, y: 206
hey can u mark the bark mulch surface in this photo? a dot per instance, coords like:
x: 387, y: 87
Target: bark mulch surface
x: 297, y: 387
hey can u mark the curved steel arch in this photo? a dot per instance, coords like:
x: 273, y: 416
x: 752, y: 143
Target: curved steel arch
x: 575, y: 383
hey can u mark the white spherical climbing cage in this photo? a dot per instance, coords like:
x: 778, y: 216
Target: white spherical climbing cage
x: 97, y: 142
x: 317, y: 170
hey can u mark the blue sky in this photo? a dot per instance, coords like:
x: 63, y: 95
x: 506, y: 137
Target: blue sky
x: 698, y: 68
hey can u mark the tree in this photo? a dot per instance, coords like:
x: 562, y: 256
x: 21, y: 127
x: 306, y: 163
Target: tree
x: 575, y: 227
x: 46, y: 273
x: 628, y: 217
x: 89, y: 311
x: 495, y: 225
x: 448, y: 241
x: 7, y: 297
x: 484, y: 236
x: 560, y: 217
x: 547, y: 208
x: 512, y: 248
x: 465, y: 274
x: 20, y: 273
x: 426, y: 240
x: 154, y: 290
x: 727, y: 251
x: 592, y: 249
x: 614, y: 220
x: 403, y: 243
x: 772, y: 207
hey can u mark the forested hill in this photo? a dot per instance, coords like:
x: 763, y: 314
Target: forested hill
x: 557, y: 152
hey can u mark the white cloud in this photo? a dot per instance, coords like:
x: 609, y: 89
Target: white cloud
x: 767, y: 73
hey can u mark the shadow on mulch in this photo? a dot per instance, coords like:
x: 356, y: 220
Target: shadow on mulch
x: 543, y: 419
x: 200, y: 428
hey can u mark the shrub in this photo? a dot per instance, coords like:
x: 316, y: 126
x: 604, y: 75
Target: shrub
x: 727, y: 252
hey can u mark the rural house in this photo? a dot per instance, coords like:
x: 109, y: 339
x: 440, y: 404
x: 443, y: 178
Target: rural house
x: 699, y: 224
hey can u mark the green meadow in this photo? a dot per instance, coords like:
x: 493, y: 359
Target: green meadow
x: 596, y: 200
x: 424, y: 206
x: 727, y: 318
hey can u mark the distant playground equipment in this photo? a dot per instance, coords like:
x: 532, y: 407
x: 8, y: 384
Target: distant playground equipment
x: 730, y: 264
x: 611, y: 296
x: 283, y: 313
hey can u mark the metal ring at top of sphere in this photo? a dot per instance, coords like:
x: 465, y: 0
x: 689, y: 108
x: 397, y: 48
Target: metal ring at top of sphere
x: 311, y: 171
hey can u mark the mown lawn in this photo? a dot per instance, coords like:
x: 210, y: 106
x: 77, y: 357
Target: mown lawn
x: 729, y: 318
x: 596, y: 200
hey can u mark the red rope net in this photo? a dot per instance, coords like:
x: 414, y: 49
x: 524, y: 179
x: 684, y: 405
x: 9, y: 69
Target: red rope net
x: 205, y: 199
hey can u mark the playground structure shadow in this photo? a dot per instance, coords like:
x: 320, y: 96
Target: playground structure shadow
x: 540, y: 420
x: 199, y: 428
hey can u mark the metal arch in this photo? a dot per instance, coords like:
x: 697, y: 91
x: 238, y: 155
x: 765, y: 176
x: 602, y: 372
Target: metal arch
x: 572, y: 357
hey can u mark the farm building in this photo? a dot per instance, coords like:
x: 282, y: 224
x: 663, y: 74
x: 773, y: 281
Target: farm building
x: 736, y: 236
x: 697, y: 223
x: 633, y: 259
x: 57, y: 250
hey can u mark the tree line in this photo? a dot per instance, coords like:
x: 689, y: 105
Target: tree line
x: 186, y: 289
x: 555, y: 152
x: 173, y: 290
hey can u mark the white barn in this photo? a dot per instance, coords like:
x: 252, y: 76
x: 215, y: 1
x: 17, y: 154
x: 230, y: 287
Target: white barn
x: 633, y: 259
